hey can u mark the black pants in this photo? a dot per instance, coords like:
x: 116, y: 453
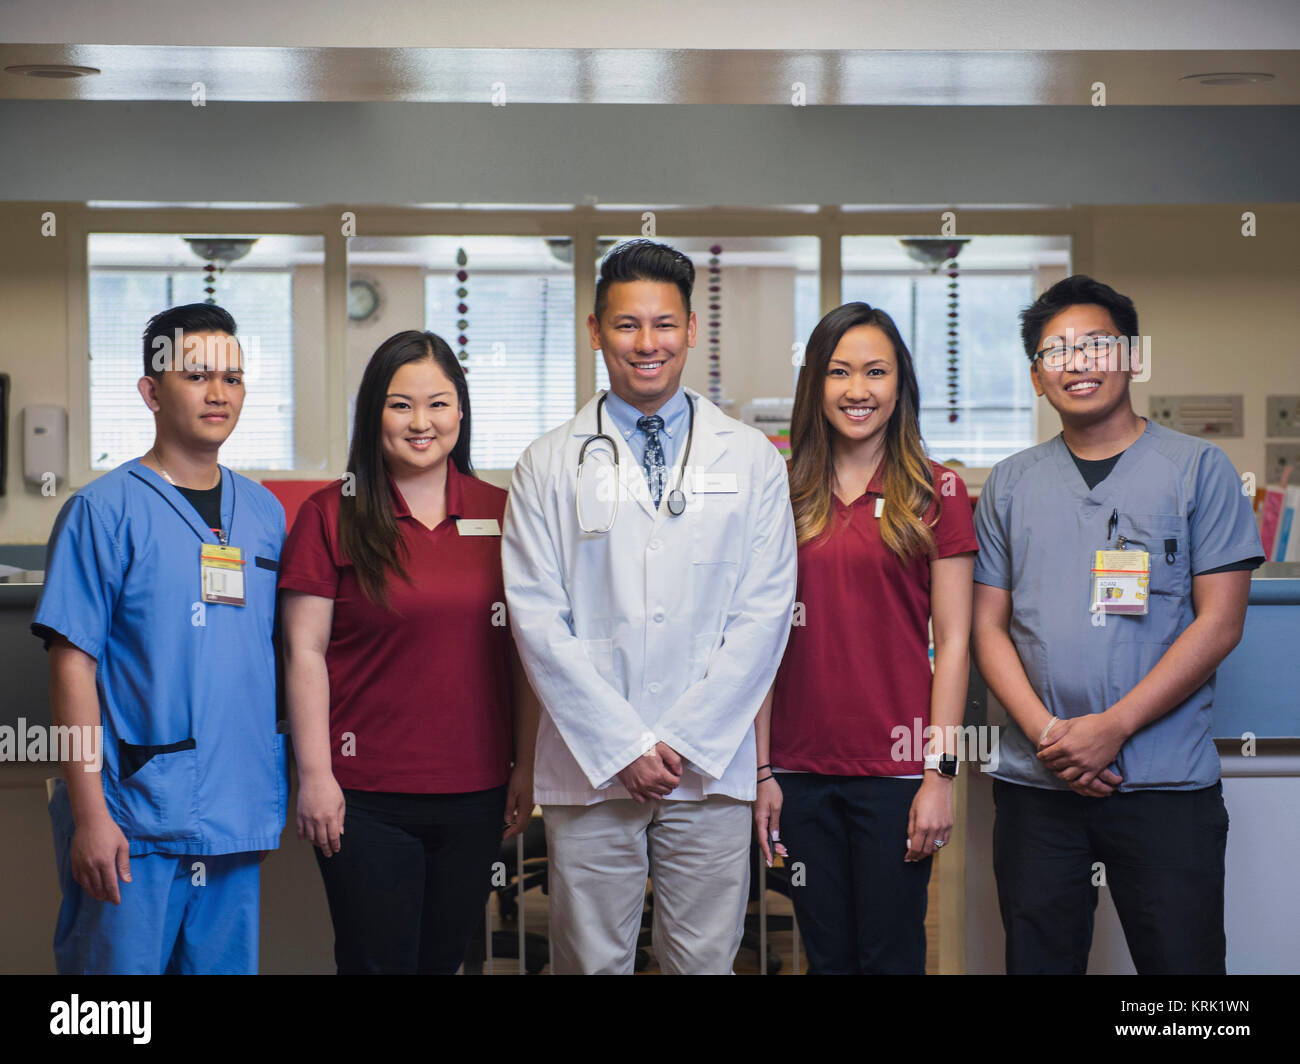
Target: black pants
x: 1159, y: 853
x: 860, y: 906
x: 408, y: 886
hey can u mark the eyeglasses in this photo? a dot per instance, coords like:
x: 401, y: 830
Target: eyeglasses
x: 1093, y: 349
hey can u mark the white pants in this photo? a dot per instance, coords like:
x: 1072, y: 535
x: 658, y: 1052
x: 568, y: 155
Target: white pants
x: 599, y: 857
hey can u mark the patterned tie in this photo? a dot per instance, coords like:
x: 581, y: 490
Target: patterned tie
x: 656, y: 470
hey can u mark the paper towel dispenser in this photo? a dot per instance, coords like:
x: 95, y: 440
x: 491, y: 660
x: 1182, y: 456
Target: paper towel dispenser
x: 45, y: 445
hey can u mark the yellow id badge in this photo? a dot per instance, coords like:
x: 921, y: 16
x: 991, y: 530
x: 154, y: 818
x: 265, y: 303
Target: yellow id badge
x: 1120, y: 581
x: 222, y: 574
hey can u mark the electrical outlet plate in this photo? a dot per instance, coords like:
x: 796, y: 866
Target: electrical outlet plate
x: 1211, y: 417
x: 1282, y: 415
x: 1276, y: 457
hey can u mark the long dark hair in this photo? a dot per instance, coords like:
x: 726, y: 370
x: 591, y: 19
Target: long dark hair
x: 367, y: 525
x: 905, y: 473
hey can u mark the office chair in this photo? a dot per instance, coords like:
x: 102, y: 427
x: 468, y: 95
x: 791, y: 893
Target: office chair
x: 505, y: 942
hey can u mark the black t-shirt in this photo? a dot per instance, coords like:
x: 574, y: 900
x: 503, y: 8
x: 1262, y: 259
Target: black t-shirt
x: 1094, y: 472
x: 207, y: 501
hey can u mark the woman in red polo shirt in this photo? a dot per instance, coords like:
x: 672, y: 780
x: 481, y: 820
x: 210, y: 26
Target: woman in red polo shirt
x: 405, y: 697
x: 886, y: 547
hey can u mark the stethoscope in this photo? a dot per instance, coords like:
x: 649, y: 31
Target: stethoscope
x: 676, y: 497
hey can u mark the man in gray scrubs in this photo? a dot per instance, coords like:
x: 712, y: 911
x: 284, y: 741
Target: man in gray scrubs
x: 1111, y: 581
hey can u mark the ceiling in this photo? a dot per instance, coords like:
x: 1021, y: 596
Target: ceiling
x: 887, y: 25
x: 650, y: 76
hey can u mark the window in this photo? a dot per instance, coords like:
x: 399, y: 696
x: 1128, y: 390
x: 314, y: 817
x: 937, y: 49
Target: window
x: 134, y: 276
x: 807, y: 308
x: 769, y: 301
x: 520, y: 365
x: 517, y: 324
x: 995, y: 401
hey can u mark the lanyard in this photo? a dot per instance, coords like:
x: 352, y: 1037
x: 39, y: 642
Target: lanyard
x: 221, y: 532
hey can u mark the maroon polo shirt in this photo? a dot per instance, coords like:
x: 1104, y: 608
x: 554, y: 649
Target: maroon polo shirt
x: 860, y: 663
x: 424, y: 686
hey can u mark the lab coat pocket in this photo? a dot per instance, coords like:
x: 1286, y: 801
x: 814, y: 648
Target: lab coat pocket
x: 157, y: 791
x: 711, y: 591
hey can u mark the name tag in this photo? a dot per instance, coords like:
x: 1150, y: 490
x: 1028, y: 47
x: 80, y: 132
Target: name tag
x: 222, y: 573
x: 715, y: 484
x: 478, y: 526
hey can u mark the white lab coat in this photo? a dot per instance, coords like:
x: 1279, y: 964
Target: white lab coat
x: 662, y: 629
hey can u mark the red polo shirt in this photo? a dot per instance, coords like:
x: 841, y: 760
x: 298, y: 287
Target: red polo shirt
x: 424, y: 686
x: 859, y: 664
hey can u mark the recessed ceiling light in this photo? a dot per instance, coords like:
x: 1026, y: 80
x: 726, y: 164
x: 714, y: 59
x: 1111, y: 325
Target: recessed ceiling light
x: 51, y: 70
x: 1228, y: 78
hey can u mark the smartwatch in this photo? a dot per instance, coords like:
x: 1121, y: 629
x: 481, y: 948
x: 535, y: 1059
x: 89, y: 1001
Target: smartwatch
x: 945, y: 765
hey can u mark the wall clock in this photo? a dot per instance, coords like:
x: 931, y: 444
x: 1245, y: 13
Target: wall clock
x: 364, y: 299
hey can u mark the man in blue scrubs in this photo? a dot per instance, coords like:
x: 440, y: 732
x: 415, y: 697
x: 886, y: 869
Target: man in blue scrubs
x: 1105, y: 662
x: 158, y: 612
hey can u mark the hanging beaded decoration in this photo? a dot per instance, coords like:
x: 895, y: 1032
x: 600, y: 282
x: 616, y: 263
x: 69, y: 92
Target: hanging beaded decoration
x: 952, y: 341
x: 462, y: 308
x: 715, y: 324
x: 210, y: 272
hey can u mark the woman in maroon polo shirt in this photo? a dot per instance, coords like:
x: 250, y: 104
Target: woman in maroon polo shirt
x: 405, y: 696
x: 886, y: 547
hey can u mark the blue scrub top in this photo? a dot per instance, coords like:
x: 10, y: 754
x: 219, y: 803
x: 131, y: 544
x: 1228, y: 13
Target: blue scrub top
x: 1038, y: 525
x: 187, y: 690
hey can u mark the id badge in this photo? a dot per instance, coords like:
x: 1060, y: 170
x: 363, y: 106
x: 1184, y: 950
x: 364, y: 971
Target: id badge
x: 1121, y: 580
x: 221, y: 570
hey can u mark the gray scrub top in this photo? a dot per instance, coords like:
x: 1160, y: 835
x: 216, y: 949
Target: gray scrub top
x: 1038, y: 526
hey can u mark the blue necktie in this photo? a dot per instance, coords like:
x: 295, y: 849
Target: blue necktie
x: 656, y: 470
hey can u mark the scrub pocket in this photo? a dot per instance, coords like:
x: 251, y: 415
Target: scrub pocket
x: 1171, y: 580
x: 1163, y: 748
x: 157, y: 791
x: 280, y: 749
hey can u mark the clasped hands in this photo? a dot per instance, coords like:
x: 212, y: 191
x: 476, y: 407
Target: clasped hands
x: 653, y: 775
x: 1078, y: 749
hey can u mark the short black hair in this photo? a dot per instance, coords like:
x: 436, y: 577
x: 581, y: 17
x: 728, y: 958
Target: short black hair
x: 191, y: 317
x: 644, y: 260
x: 1072, y: 292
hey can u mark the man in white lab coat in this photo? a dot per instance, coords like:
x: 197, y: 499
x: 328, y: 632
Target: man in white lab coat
x: 651, y: 626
